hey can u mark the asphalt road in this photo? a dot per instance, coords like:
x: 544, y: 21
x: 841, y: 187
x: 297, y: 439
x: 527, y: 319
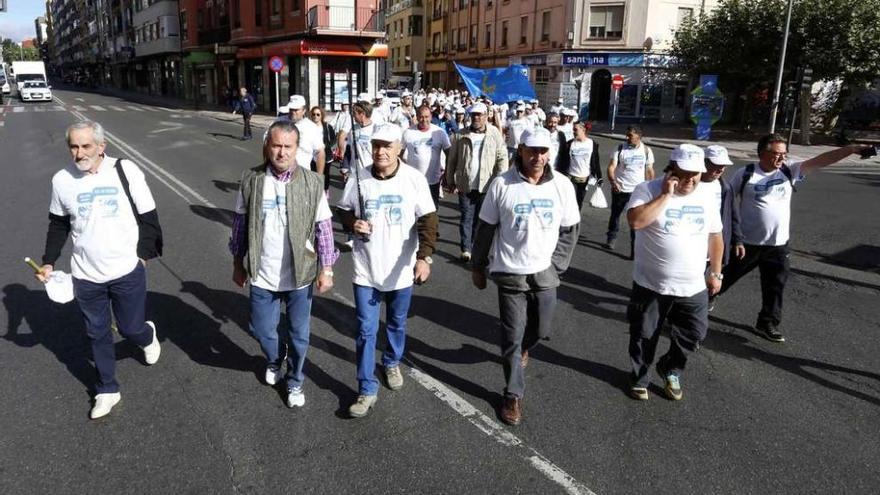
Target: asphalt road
x: 757, y: 417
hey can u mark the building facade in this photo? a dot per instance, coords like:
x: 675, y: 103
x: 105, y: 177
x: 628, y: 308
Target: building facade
x: 156, y: 42
x: 405, y: 27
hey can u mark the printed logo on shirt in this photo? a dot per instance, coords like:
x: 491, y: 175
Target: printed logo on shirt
x: 580, y: 151
x: 772, y: 186
x: 541, y: 208
x: 102, y: 200
x: 687, y: 220
x: 388, y: 206
x: 278, y: 204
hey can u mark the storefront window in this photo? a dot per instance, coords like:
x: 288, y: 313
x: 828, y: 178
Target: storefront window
x: 627, y: 104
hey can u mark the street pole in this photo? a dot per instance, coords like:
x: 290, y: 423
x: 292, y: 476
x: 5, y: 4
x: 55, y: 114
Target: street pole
x: 614, y: 114
x: 775, y: 105
x: 277, y: 95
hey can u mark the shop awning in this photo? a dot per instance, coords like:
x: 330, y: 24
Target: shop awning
x: 316, y: 48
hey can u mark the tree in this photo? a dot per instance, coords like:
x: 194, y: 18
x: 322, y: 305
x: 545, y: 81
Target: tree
x: 13, y: 53
x: 741, y: 40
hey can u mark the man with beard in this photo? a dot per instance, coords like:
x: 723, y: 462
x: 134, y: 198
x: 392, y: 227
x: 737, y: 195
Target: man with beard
x: 106, y: 207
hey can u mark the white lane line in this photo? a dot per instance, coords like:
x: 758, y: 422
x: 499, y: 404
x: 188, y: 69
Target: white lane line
x: 115, y: 108
x: 151, y: 109
x: 98, y: 108
x: 156, y: 171
x: 242, y: 149
x: 80, y: 108
x: 465, y: 409
x: 136, y: 109
x: 58, y: 108
x: 490, y: 427
x: 2, y: 123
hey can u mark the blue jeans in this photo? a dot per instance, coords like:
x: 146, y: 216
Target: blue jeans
x: 127, y: 295
x: 265, y: 314
x: 367, y: 301
x: 469, y: 206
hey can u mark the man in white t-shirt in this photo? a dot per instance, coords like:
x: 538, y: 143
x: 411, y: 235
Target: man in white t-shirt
x: 282, y: 243
x: 558, y: 107
x: 765, y: 192
x: 527, y: 233
x: 392, y: 212
x: 342, y: 128
x: 677, y: 221
x: 357, y: 157
x: 515, y: 127
x: 631, y: 164
x: 106, y: 208
x: 311, y: 137
x: 424, y: 145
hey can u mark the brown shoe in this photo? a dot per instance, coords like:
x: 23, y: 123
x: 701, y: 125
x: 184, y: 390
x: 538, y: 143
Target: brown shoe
x: 524, y: 359
x: 511, y: 410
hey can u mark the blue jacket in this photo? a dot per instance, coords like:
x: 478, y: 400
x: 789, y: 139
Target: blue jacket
x: 245, y: 105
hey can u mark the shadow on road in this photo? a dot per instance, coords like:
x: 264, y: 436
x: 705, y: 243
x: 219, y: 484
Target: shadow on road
x: 741, y: 347
x: 222, y: 216
x: 225, y: 135
x: 226, y: 186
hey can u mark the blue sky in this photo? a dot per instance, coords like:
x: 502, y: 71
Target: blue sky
x: 17, y: 23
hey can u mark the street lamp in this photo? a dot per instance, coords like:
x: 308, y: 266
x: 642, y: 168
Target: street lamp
x: 775, y: 105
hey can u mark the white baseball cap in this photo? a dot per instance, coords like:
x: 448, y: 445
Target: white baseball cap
x: 388, y: 133
x: 284, y: 109
x: 364, y: 98
x: 478, y: 108
x: 689, y: 158
x: 296, y: 102
x: 536, y: 138
x: 718, y: 155
x: 560, y: 99
x: 459, y: 109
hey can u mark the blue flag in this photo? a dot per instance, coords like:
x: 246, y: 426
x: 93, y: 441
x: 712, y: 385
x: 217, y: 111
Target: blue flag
x: 499, y: 85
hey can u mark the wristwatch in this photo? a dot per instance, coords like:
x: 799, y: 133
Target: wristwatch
x: 719, y: 276
x: 328, y: 273
x: 427, y: 259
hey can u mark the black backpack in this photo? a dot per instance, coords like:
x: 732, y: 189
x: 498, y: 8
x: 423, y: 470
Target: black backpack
x: 750, y: 171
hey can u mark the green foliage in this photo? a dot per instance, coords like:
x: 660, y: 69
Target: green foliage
x: 13, y: 53
x: 741, y: 40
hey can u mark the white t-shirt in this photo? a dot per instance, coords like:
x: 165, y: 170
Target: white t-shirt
x: 103, y: 230
x: 342, y: 122
x: 631, y: 171
x: 423, y: 150
x: 274, y: 272
x: 477, y: 140
x: 364, y: 148
x: 528, y: 217
x: 765, y: 207
x: 515, y: 129
x: 670, y: 253
x: 392, y: 206
x: 580, y: 152
x: 554, y: 149
x: 534, y: 119
x: 568, y: 130
x: 311, y: 141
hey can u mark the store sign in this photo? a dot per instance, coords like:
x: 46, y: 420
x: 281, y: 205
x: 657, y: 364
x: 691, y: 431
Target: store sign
x: 588, y: 59
x: 534, y: 60
x: 584, y: 58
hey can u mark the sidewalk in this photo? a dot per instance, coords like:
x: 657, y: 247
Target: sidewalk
x: 740, y: 144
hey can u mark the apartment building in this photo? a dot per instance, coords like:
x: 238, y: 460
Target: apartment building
x: 405, y: 21
x: 157, y: 58
x: 571, y: 48
x: 209, y: 63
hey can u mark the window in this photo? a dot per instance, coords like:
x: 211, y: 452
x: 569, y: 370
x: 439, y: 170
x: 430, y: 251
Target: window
x: 543, y: 75
x: 488, y: 39
x: 684, y: 13
x: 258, y: 12
x: 276, y: 7
x: 435, y: 43
x: 462, y: 35
x: 545, y: 26
x: 183, y: 32
x: 503, y: 34
x: 606, y: 22
x: 236, y: 13
x: 473, y: 44
x: 200, y: 22
x: 523, y: 29
x: 415, y: 25
x: 294, y: 5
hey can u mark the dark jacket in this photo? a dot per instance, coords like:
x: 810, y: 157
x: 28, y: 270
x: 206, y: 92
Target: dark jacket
x: 563, y: 164
x: 732, y: 233
x: 245, y: 105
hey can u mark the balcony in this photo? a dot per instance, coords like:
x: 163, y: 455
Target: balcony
x: 401, y: 6
x: 344, y: 20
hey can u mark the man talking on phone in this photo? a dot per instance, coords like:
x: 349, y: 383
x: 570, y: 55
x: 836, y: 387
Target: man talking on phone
x: 677, y: 221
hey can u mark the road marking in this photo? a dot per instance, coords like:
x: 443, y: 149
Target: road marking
x: 17, y: 109
x: 2, y: 123
x: 80, y: 99
x: 79, y: 108
x: 98, y: 108
x: 118, y: 109
x: 465, y: 409
x: 489, y: 426
x: 58, y: 108
x: 136, y: 109
x: 39, y: 109
x: 240, y: 148
x: 151, y: 109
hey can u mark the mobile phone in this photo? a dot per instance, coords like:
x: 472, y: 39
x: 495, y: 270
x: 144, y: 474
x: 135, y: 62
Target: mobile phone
x: 870, y: 152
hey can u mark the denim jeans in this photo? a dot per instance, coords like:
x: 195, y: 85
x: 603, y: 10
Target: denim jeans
x: 127, y: 295
x: 265, y: 315
x: 469, y: 206
x: 367, y: 301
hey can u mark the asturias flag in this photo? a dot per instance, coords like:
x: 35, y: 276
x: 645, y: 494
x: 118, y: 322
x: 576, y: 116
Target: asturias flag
x: 499, y: 85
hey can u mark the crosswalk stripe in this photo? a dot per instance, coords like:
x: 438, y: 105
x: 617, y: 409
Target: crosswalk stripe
x: 79, y: 108
x: 58, y: 108
x: 130, y: 107
x: 2, y: 123
x: 39, y: 109
x: 98, y: 108
x: 150, y: 109
x: 118, y: 109
x: 17, y: 109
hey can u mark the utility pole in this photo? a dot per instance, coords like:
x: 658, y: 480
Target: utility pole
x: 775, y: 105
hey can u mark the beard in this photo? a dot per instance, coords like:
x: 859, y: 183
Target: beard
x: 84, y: 165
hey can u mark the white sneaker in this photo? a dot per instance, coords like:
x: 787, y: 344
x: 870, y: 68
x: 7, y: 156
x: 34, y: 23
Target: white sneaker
x: 273, y: 374
x: 153, y: 349
x: 103, y: 404
x: 295, y: 397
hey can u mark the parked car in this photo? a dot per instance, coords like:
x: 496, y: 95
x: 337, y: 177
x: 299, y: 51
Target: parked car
x: 35, y: 91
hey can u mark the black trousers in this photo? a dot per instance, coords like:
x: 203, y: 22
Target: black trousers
x: 580, y: 192
x: 247, y: 124
x: 618, y: 203
x: 774, y: 267
x: 688, y: 319
x: 526, y: 318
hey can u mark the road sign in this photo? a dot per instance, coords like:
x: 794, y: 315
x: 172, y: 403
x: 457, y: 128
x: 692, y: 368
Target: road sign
x: 276, y: 64
x: 617, y: 81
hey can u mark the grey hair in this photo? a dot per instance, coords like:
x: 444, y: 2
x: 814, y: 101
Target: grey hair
x: 97, y: 130
x: 285, y: 126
